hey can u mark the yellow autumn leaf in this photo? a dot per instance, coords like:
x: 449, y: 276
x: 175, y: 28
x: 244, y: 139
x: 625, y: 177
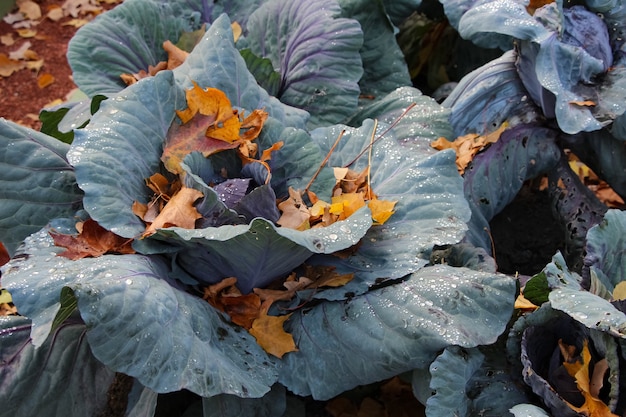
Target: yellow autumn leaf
x: 468, y: 146
x: 579, y: 370
x: 209, y: 102
x: 619, y: 292
x: 381, y: 210
x: 346, y: 204
x: 271, y: 336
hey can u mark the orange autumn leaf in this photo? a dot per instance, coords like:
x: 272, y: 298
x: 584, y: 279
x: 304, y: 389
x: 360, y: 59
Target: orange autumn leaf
x: 44, y: 80
x: 579, y: 370
x: 583, y: 103
x: 179, y: 211
x: 533, y: 5
x: 8, y: 66
x: 92, y: 241
x: 271, y: 336
x: 210, y: 102
x: 468, y: 146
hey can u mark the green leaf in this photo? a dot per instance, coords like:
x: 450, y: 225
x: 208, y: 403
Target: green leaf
x: 264, y: 251
x: 430, y: 208
x: 50, y: 124
x: 537, y: 289
x: 138, y: 324
x: 528, y: 410
x: 394, y: 329
x: 69, y: 305
x: 605, y: 249
x: 263, y: 71
x: 450, y: 373
x: 50, y: 380
x: 36, y: 183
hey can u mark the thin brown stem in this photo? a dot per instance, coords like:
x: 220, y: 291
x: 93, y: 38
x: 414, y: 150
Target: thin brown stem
x: 319, y: 169
x: 395, y: 122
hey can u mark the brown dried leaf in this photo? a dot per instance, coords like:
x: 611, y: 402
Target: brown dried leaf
x: 271, y: 336
x: 179, y: 211
x: 92, y: 241
x: 295, y: 213
x: 175, y: 55
x: 468, y: 146
x: 4, y: 254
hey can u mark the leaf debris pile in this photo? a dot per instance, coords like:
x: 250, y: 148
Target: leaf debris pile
x: 250, y: 311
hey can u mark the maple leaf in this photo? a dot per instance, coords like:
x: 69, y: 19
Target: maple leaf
x: 589, y: 385
x: 179, y: 211
x: 92, y: 241
x: 271, y: 336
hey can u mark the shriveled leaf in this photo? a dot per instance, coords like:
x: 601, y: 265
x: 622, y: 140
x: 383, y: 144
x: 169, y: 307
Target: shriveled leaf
x: 92, y: 241
x: 179, y: 211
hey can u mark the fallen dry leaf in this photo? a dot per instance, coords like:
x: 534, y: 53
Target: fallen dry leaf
x: 7, y: 40
x: 44, y: 80
x: 8, y: 66
x: 29, y: 9
x: 271, y: 336
x: 77, y: 23
x: 468, y: 146
x: 583, y: 103
x: 295, y: 213
x: 381, y: 210
x: 579, y: 370
x: 179, y: 211
x: 92, y: 241
x: 175, y: 55
x: 20, y: 53
x: 55, y: 13
x: 26, y: 33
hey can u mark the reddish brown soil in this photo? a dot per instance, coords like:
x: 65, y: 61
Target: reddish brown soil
x: 21, y: 97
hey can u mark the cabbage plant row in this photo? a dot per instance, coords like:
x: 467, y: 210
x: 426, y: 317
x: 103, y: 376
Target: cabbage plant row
x: 425, y: 300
